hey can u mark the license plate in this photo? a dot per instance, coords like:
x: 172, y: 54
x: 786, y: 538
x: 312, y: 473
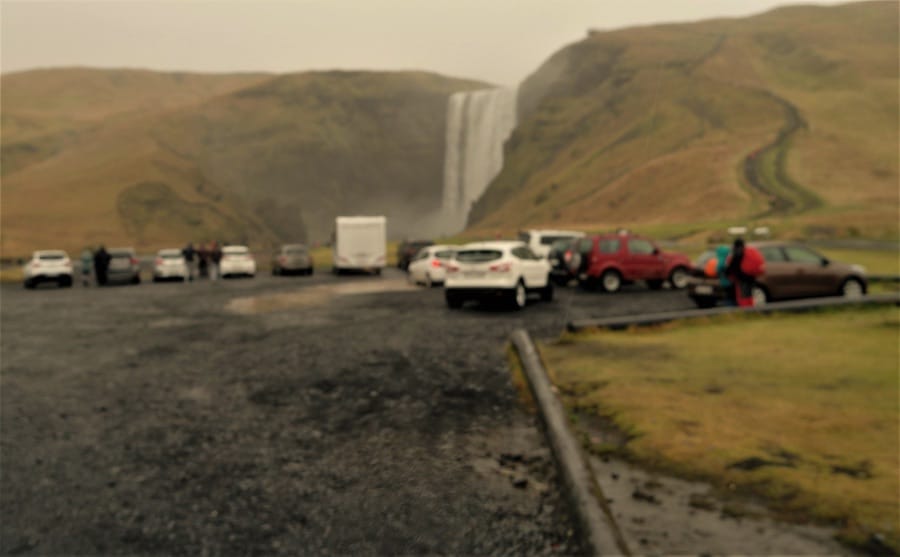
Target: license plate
x: 703, y: 289
x: 474, y: 274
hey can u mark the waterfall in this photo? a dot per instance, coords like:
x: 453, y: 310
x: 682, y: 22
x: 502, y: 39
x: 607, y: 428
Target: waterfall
x: 478, y: 123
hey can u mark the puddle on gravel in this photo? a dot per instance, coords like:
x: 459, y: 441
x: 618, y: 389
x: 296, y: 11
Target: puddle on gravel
x: 661, y: 515
x: 312, y: 295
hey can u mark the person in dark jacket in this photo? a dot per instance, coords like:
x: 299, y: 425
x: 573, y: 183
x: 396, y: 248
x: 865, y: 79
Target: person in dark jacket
x: 188, y: 253
x: 101, y: 265
x: 743, y: 283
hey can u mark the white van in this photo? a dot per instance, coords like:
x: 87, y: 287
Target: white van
x: 540, y: 240
x: 360, y: 244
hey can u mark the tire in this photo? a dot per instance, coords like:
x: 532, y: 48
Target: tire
x: 678, y: 278
x: 654, y: 284
x: 454, y: 301
x: 705, y: 303
x: 611, y: 280
x: 377, y: 272
x: 275, y: 271
x: 65, y: 282
x: 428, y: 282
x: 29, y: 284
x: 547, y: 291
x: 853, y: 288
x: 759, y: 295
x: 518, y: 296
x: 136, y: 280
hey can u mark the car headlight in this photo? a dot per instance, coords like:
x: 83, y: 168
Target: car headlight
x: 858, y: 268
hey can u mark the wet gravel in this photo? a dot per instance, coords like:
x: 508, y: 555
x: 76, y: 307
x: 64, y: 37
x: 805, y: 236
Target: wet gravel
x: 150, y: 420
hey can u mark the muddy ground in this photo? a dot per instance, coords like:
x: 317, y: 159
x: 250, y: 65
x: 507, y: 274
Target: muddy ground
x: 326, y: 415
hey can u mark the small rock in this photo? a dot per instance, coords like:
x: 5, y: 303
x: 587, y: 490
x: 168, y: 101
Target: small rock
x: 639, y: 495
x: 614, y: 476
x: 520, y: 483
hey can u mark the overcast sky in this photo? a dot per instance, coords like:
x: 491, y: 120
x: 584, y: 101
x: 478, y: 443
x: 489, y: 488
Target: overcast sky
x: 499, y: 41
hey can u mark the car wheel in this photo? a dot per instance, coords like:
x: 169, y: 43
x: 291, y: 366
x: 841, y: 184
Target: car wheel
x: 678, y: 278
x: 65, y: 282
x: 547, y: 291
x: 852, y: 288
x: 705, y: 303
x: 275, y: 271
x: 519, y: 296
x: 611, y: 280
x: 136, y: 280
x: 655, y: 284
x: 759, y: 295
x: 28, y: 284
x: 453, y: 300
x: 428, y: 281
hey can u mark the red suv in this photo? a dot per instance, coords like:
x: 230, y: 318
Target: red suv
x: 611, y: 260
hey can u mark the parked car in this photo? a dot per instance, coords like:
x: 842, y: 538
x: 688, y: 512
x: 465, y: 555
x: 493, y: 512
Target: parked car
x: 560, y: 256
x: 408, y: 249
x: 237, y: 261
x: 610, y: 260
x: 124, y: 266
x: 505, y: 271
x: 48, y: 266
x: 429, y: 266
x: 791, y: 271
x: 170, y: 264
x: 291, y: 259
x: 540, y: 241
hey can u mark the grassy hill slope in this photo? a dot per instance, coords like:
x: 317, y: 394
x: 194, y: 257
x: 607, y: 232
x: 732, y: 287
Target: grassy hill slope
x: 152, y: 160
x: 787, y: 118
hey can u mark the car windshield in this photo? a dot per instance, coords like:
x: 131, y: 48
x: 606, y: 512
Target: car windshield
x: 478, y: 255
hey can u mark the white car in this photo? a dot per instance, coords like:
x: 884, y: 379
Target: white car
x: 505, y: 271
x: 540, y: 241
x: 237, y: 261
x: 170, y: 264
x: 429, y: 265
x: 48, y: 266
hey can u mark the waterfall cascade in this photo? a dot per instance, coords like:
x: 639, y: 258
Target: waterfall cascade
x: 478, y: 124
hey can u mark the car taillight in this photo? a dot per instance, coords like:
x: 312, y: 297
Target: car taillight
x: 500, y: 268
x: 568, y: 256
x: 435, y: 263
x: 282, y: 259
x: 134, y: 261
x: 452, y: 268
x: 35, y: 264
x: 158, y: 261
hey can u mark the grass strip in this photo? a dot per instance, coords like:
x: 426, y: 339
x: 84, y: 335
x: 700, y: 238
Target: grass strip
x: 799, y: 410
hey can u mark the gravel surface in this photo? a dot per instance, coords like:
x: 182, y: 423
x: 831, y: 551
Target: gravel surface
x: 173, y: 419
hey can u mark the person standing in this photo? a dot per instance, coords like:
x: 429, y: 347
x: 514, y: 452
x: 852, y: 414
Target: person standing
x: 188, y: 253
x: 87, y: 261
x: 101, y: 265
x: 215, y: 256
x: 743, y: 282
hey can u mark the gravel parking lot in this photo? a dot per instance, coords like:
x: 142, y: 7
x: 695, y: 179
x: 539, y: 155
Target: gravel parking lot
x: 159, y: 419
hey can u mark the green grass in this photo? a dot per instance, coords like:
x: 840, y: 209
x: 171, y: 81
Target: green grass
x: 815, y: 395
x: 876, y: 262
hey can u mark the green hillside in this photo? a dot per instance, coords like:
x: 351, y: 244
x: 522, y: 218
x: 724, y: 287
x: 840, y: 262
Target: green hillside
x: 152, y: 160
x: 788, y: 118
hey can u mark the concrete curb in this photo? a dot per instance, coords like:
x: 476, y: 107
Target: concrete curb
x: 796, y: 306
x: 595, y: 522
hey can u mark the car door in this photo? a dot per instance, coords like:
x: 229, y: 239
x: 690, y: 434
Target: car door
x: 778, y: 273
x: 641, y: 260
x: 811, y: 274
x: 539, y: 268
x: 417, y: 265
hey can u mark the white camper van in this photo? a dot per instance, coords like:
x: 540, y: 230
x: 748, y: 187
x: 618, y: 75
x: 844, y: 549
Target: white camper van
x: 360, y: 243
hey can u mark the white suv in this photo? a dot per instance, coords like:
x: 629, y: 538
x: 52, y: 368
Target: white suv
x: 49, y: 266
x: 540, y: 241
x: 507, y: 271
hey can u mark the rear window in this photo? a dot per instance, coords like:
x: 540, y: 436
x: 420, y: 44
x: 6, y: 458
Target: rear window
x: 552, y: 240
x: 478, y: 255
x: 295, y: 251
x: 121, y: 254
x: 51, y: 256
x: 446, y: 254
x: 171, y: 255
